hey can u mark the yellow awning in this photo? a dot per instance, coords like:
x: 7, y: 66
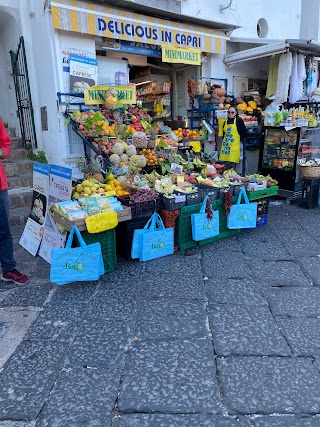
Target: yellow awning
x: 88, y: 18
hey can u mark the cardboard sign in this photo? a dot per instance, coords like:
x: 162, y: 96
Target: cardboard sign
x: 110, y: 96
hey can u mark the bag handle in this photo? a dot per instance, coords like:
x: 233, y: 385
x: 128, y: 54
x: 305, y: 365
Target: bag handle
x: 157, y: 222
x: 203, y: 207
x: 244, y: 194
x: 149, y: 223
x: 70, y: 238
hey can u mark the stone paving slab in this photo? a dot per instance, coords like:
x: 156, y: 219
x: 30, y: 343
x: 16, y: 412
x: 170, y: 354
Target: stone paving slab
x: 28, y: 377
x: 175, y: 262
x: 186, y: 286
x: 3, y: 328
x: 302, y: 334
x: 169, y: 320
x: 265, y: 249
x: 312, y: 268
x: 232, y: 244
x: 295, y: 302
x: 278, y: 273
x: 81, y: 397
x: 74, y: 293
x: 218, y: 265
x: 96, y: 350
x: 287, y: 421
x: 115, y: 308
x: 233, y: 291
x: 170, y: 377
x: 31, y: 295
x: 245, y: 330
x: 147, y: 420
x: 267, y: 385
x: 301, y: 244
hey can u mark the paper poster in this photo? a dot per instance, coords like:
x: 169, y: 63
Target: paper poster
x: 60, y: 186
x: 33, y: 231
x: 83, y: 73
x: 65, y: 58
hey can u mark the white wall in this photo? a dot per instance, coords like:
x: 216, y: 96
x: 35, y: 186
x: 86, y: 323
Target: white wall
x: 283, y: 16
x: 9, y: 39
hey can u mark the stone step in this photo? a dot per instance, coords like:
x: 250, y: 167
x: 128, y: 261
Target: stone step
x: 15, y: 167
x: 20, y: 180
x: 19, y: 216
x: 16, y: 143
x: 19, y: 153
x: 11, y: 132
x: 20, y: 198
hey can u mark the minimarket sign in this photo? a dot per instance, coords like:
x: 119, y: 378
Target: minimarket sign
x: 104, y: 21
x: 110, y: 96
x: 181, y: 55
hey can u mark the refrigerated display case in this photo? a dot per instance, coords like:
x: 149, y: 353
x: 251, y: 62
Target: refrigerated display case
x: 278, y: 158
x: 280, y: 152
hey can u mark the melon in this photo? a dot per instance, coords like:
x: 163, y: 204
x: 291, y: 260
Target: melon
x: 115, y: 159
x: 131, y: 150
x: 118, y: 148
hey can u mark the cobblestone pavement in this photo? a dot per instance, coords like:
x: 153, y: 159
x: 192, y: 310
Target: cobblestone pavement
x: 227, y: 335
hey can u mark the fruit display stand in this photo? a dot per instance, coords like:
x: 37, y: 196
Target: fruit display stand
x: 184, y: 230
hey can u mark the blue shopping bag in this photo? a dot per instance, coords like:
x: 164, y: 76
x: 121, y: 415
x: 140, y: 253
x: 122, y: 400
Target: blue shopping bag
x: 158, y: 241
x: 135, y: 248
x: 243, y: 215
x: 79, y: 264
x: 204, y: 227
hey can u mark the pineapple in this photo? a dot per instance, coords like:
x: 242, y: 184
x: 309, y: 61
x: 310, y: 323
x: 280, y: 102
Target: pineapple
x: 91, y: 168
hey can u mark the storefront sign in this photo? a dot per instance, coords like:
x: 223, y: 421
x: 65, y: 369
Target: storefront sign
x: 132, y: 47
x: 60, y: 187
x: 83, y: 73
x: 86, y: 18
x: 33, y: 231
x: 181, y: 55
x: 111, y: 96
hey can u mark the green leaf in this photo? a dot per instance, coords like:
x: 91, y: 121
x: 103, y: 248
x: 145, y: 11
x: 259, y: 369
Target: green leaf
x: 163, y: 169
x: 67, y: 121
x: 97, y: 116
x: 168, y: 167
x: 171, y: 159
x: 177, y: 161
x: 162, y: 144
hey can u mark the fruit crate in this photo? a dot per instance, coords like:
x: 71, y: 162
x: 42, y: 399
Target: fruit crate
x: 261, y: 194
x: 208, y: 190
x: 310, y: 194
x: 185, y: 240
x: 170, y: 204
x: 191, y: 198
x: 169, y: 219
x: 107, y: 239
x: 125, y: 231
x: 142, y: 208
x: 262, y: 220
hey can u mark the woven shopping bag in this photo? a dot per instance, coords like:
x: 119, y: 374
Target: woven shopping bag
x: 205, y: 224
x: 83, y: 263
x: 243, y: 215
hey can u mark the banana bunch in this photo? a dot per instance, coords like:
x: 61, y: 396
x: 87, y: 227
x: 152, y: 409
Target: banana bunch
x: 198, y: 163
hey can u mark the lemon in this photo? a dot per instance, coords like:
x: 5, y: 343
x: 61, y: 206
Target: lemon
x: 87, y: 190
x: 79, y: 188
x: 101, y: 190
x: 119, y: 193
x: 97, y: 186
x: 110, y: 176
x: 86, y: 183
x: 93, y: 190
x: 76, y: 195
x: 108, y: 188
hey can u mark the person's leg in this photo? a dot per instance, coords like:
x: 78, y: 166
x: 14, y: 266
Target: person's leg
x: 7, y: 260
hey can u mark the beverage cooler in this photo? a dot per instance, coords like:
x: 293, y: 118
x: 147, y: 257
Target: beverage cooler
x: 280, y: 151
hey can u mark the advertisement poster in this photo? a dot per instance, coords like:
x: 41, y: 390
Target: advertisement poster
x: 83, y: 73
x: 65, y: 57
x: 60, y: 186
x: 33, y: 231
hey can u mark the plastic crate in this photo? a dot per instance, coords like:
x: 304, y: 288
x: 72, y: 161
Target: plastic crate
x: 191, y: 198
x: 208, y: 190
x: 169, y: 219
x: 185, y: 240
x: 125, y: 230
x: 107, y: 239
x: 310, y: 194
x: 261, y: 194
x: 170, y: 204
x: 262, y: 220
x: 146, y: 207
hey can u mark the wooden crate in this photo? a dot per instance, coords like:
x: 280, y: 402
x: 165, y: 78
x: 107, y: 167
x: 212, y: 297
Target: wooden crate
x: 123, y: 215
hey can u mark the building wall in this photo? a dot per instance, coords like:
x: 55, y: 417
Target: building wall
x: 283, y: 17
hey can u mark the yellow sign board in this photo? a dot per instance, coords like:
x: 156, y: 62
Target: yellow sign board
x: 183, y: 55
x: 110, y: 96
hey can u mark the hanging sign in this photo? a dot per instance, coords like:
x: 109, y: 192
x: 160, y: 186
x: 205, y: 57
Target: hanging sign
x: 110, y: 96
x: 181, y: 55
x: 83, y: 73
